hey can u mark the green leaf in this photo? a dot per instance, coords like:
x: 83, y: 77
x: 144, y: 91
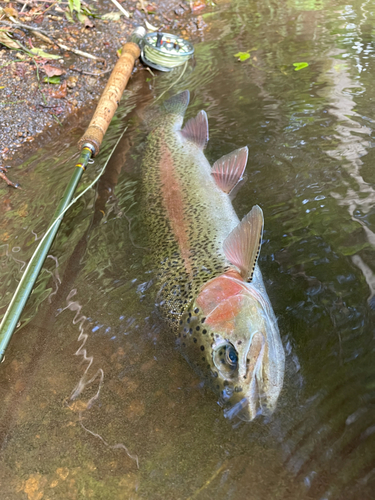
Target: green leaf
x: 242, y: 56
x: 300, y: 65
x: 41, y: 53
x: 89, y: 11
x: 77, y: 5
x: 52, y: 79
x: 69, y: 16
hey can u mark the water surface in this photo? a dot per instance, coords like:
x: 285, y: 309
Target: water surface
x: 96, y: 401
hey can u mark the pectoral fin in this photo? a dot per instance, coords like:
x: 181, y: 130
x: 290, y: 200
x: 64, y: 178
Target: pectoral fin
x: 196, y: 130
x: 228, y: 171
x: 242, y: 245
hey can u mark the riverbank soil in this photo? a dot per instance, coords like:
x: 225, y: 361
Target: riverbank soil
x: 56, y: 57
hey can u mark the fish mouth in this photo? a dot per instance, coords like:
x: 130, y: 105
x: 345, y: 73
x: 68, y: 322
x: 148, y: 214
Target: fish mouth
x: 255, y: 401
x: 241, y: 410
x: 249, y: 407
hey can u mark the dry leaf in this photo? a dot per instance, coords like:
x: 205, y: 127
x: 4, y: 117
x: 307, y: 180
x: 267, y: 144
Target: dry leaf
x: 34, y: 487
x: 63, y: 472
x: 60, y: 93
x: 112, y: 16
x: 10, y: 11
x: 52, y: 71
x: 198, y: 5
x: 87, y: 22
x: 7, y: 41
x: 150, y: 27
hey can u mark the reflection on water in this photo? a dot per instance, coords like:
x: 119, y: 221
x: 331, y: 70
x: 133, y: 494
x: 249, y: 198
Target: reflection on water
x: 92, y: 381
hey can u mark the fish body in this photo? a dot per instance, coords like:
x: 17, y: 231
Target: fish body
x: 210, y: 288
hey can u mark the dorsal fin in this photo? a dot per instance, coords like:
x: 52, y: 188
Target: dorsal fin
x: 196, y: 130
x: 228, y: 171
x: 242, y: 246
x: 177, y: 104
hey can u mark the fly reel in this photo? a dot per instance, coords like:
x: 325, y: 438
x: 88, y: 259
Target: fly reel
x: 164, y: 52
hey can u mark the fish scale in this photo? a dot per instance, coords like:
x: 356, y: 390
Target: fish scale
x: 204, y: 256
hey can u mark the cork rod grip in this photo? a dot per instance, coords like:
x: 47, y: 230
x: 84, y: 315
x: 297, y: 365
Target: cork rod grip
x: 110, y: 98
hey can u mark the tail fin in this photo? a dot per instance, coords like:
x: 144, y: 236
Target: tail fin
x: 177, y: 104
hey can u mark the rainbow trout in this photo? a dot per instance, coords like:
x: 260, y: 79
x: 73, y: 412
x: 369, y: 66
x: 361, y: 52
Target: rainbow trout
x: 210, y: 288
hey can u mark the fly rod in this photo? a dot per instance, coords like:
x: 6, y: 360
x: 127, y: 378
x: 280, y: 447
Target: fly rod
x: 89, y: 145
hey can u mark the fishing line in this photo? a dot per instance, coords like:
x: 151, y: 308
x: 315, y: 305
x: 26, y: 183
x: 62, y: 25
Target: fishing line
x: 173, y: 84
x: 114, y: 447
x: 67, y: 208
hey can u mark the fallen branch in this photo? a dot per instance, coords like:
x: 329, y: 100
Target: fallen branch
x: 3, y: 170
x: 42, y: 35
x: 121, y: 8
x: 98, y: 73
x: 81, y: 53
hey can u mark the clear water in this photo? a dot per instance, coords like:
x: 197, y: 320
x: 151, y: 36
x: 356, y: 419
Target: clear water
x: 90, y: 328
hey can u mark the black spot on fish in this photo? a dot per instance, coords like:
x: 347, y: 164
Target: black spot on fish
x: 198, y: 328
x: 202, y: 347
x: 195, y: 340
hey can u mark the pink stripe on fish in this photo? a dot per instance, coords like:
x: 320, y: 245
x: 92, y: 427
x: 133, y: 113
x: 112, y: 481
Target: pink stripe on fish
x: 174, y: 203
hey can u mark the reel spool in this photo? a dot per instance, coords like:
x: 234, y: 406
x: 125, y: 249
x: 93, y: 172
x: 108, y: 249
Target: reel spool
x: 164, y: 52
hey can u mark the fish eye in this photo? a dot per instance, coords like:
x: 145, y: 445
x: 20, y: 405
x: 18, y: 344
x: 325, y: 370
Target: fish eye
x: 231, y: 355
x: 225, y: 358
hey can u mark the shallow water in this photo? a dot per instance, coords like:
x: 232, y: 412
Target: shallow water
x: 92, y: 384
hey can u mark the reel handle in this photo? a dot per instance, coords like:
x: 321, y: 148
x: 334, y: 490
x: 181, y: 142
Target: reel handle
x: 110, y: 98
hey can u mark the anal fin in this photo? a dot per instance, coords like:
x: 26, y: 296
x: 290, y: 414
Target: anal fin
x: 242, y: 246
x: 228, y: 171
x: 196, y: 130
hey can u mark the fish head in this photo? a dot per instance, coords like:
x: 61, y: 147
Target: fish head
x: 243, y: 345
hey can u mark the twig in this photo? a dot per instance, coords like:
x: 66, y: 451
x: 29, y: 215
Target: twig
x: 83, y: 54
x: 45, y: 38
x: 98, y: 73
x: 14, y: 21
x: 51, y: 41
x: 25, y: 2
x: 3, y: 170
x: 24, y: 5
x: 121, y: 8
x: 50, y: 7
x: 207, y: 483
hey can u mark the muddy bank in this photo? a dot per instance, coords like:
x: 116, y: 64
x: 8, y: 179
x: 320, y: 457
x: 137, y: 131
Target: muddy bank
x: 41, y: 93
